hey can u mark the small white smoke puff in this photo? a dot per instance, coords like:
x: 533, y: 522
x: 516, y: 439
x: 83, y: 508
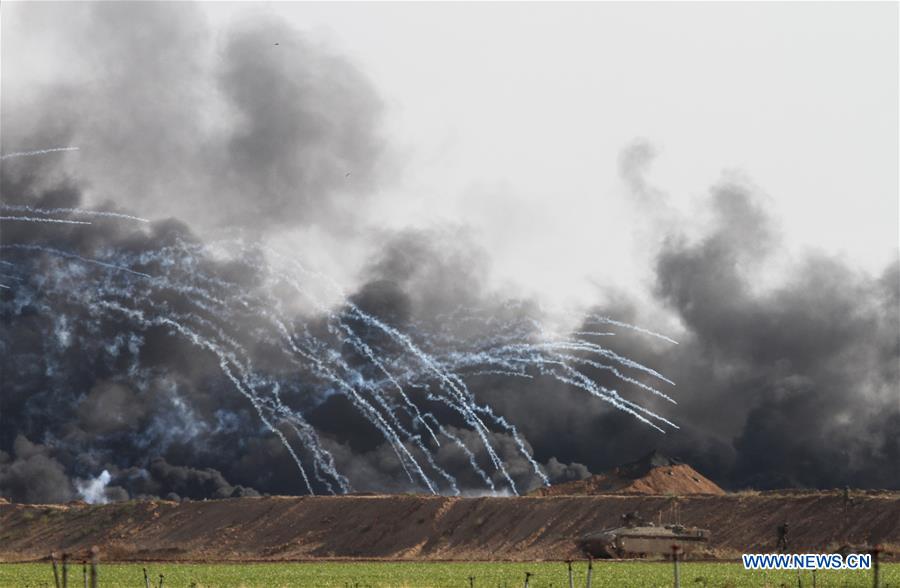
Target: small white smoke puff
x: 94, y: 491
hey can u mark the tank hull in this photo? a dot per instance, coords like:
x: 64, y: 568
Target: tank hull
x: 639, y: 541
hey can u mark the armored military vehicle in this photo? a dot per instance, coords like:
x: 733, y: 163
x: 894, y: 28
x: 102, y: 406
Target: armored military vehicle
x: 636, y: 539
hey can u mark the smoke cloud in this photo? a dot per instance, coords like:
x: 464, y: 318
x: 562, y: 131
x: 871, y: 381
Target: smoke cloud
x: 791, y: 382
x: 94, y: 491
x: 257, y: 131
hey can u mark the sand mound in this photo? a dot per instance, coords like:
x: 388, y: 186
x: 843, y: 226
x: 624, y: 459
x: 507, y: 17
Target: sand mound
x: 653, y: 474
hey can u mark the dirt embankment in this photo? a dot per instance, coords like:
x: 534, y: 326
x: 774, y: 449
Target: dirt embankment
x: 431, y: 528
x: 679, y: 479
x: 653, y: 474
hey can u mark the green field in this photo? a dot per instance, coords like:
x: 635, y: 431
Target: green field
x: 440, y: 575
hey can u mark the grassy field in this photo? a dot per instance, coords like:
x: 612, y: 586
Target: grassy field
x: 441, y: 575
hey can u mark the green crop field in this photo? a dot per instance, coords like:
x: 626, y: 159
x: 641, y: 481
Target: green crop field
x: 441, y: 575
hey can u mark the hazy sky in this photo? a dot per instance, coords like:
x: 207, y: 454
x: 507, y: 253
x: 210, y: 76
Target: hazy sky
x: 531, y: 104
x: 509, y: 119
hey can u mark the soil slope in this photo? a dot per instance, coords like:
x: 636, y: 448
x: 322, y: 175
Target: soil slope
x: 676, y: 480
x: 652, y: 474
x: 431, y: 528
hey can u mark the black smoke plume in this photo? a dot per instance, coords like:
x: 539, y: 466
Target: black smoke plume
x: 787, y: 384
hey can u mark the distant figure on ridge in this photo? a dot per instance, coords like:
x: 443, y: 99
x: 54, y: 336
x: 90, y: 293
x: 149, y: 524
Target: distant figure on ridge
x: 782, y: 544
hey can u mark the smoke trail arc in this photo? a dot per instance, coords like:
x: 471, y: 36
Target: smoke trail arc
x: 37, y: 152
x: 409, y: 385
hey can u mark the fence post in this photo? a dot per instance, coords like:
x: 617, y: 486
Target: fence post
x: 84, y: 572
x: 65, y: 568
x: 55, y: 569
x: 590, y: 571
x: 527, y: 577
x: 146, y: 579
x: 675, y: 550
x: 876, y: 576
x: 95, y: 561
x: 571, y: 579
x: 161, y: 578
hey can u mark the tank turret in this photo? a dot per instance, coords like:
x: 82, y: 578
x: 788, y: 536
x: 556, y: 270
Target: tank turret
x: 635, y: 540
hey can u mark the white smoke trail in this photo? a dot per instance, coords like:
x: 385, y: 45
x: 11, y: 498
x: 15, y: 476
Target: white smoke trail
x: 295, y: 420
x: 447, y: 381
x: 361, y: 346
x: 608, y: 321
x: 81, y: 211
x: 458, y: 387
x: 193, y: 292
x: 52, y: 251
x: 217, y: 320
x: 183, y: 256
x: 32, y: 219
x: 364, y: 406
x: 351, y: 337
x: 617, y: 374
x: 464, y: 404
x: 224, y: 362
x: 37, y: 152
x: 594, y: 348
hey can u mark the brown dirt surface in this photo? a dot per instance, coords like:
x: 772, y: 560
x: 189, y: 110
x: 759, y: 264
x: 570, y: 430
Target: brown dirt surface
x: 409, y: 527
x: 676, y: 480
x: 653, y: 474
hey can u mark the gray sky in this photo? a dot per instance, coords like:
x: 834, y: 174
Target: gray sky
x: 531, y: 104
x: 509, y: 120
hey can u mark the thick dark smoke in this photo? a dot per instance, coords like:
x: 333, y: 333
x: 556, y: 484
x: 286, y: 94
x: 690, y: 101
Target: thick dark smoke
x: 810, y: 365
x: 32, y: 475
x: 267, y: 132
x: 254, y: 130
x: 787, y: 384
x: 791, y: 383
